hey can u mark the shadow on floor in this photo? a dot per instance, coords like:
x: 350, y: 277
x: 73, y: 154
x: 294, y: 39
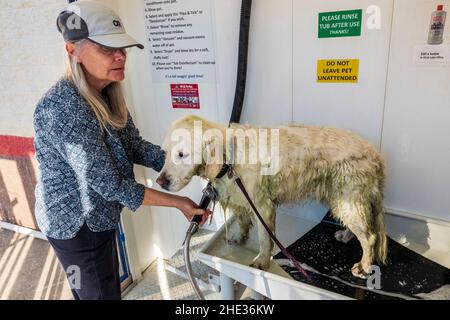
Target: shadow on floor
x: 29, y: 269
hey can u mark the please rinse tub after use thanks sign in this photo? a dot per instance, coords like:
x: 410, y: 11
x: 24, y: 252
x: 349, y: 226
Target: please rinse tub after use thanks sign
x: 340, y: 24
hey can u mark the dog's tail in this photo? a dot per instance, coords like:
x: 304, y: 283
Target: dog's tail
x: 381, y: 245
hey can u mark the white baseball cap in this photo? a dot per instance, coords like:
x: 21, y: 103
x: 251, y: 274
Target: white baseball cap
x: 85, y: 19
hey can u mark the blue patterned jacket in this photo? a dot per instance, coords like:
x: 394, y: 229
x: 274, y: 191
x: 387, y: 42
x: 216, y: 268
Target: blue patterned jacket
x: 86, y: 174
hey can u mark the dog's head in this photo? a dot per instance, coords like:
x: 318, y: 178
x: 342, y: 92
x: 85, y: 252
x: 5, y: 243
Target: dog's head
x: 193, y: 146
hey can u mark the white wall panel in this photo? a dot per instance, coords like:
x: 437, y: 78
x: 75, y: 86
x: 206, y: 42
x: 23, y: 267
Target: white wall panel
x: 416, y: 132
x: 354, y: 106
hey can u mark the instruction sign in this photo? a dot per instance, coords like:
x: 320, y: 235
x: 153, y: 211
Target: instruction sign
x: 339, y: 70
x: 432, y: 55
x: 185, y: 96
x: 340, y: 24
x: 180, y: 40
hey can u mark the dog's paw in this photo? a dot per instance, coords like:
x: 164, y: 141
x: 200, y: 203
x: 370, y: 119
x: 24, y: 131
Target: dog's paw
x: 358, y: 271
x: 261, y: 262
x: 344, y: 236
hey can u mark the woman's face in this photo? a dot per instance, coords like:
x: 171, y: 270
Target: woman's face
x: 103, y: 65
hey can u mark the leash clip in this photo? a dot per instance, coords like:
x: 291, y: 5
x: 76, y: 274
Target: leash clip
x: 232, y: 173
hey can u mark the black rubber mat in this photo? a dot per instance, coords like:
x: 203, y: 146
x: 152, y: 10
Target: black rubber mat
x: 406, y: 275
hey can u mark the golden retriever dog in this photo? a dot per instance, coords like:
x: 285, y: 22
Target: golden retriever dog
x: 340, y: 169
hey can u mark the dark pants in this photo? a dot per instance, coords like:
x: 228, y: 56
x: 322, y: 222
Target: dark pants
x: 94, y: 255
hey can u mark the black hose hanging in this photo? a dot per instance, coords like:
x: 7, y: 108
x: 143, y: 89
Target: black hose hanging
x: 241, y: 77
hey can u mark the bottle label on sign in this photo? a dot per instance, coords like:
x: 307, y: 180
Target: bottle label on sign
x: 432, y: 55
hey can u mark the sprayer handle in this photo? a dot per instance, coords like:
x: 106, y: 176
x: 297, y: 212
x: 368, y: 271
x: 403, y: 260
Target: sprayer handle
x: 204, y: 204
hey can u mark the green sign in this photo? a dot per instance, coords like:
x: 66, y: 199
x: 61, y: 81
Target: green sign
x: 340, y: 24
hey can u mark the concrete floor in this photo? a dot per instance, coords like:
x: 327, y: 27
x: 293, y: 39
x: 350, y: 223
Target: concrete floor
x: 159, y: 284
x: 29, y: 270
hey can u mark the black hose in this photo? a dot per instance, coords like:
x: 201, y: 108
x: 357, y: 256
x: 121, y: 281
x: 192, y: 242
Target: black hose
x: 187, y: 259
x: 207, y: 198
x: 241, y: 77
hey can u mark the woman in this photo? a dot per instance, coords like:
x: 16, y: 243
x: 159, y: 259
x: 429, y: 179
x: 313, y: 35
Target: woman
x: 86, y: 145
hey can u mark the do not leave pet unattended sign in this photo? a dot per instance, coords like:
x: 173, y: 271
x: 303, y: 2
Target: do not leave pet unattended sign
x: 340, y: 24
x: 338, y: 70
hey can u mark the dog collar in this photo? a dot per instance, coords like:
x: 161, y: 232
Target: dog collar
x: 225, y: 168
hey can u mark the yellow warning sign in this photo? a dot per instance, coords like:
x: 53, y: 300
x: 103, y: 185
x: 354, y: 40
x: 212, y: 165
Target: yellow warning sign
x: 339, y: 70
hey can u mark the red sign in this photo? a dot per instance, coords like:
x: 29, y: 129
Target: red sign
x: 16, y: 146
x: 185, y: 96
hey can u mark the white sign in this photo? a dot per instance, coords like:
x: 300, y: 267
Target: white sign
x: 180, y: 40
x: 432, y: 55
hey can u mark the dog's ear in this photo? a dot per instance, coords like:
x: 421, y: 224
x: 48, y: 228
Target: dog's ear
x: 213, y: 155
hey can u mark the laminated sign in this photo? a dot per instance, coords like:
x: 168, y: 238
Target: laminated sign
x: 340, y: 24
x: 339, y: 70
x: 180, y: 41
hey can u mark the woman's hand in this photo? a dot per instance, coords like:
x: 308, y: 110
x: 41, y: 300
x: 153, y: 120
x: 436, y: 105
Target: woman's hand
x: 190, y: 209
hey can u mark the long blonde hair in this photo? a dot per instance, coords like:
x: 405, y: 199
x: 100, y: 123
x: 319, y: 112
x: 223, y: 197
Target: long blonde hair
x: 115, y: 114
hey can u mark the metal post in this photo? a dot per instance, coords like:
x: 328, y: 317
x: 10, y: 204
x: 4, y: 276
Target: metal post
x: 226, y: 287
x: 255, y: 295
